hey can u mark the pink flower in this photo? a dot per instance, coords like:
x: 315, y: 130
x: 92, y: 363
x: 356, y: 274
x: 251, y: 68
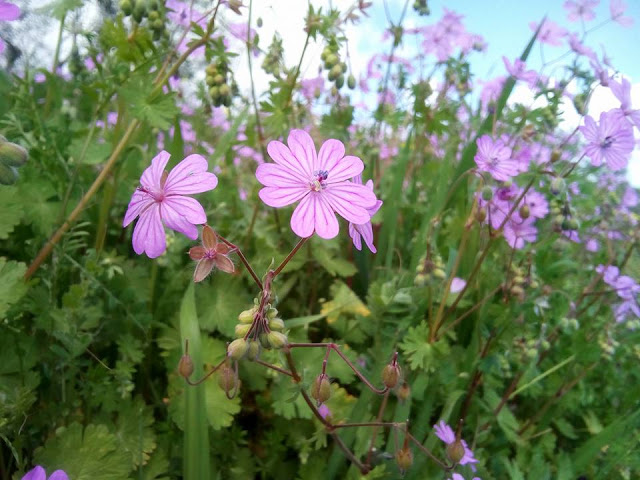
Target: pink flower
x: 520, y: 72
x: 364, y: 231
x: 581, y: 9
x: 209, y: 255
x: 622, y: 91
x: 611, y: 140
x: 319, y: 181
x: 457, y: 284
x: 8, y: 12
x: 551, y: 33
x: 39, y: 473
x: 516, y: 233
x: 617, y: 9
x: 495, y: 158
x: 445, y: 433
x: 161, y: 201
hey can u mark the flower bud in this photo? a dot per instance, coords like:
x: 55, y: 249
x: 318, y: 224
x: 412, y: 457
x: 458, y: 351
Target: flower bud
x: 404, y: 391
x: 276, y: 340
x: 481, y: 214
x: 126, y: 7
x: 487, y: 194
x: 242, y: 330
x: 555, y: 156
x: 238, y: 348
x: 254, y: 350
x: 524, y: 212
x: 391, y: 375
x: 259, y: 22
x: 227, y: 378
x: 185, y: 366
x: 455, y: 451
x: 13, y: 155
x: 7, y: 175
x: 351, y: 82
x: 332, y: 60
x: 246, y: 317
x: 276, y: 324
x: 272, y: 313
x: 557, y: 185
x: 340, y: 81
x: 439, y: 273
x: 321, y: 388
x: 264, y: 340
x: 404, y: 458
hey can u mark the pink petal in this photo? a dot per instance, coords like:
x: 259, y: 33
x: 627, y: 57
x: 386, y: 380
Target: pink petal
x: 203, y: 268
x: 352, y: 193
x: 152, y: 176
x: 36, y: 473
x: 350, y: 211
x: 9, y: 11
x: 139, y: 202
x: 330, y: 153
x: 188, y: 207
x: 274, y: 175
x: 366, y: 231
x: 281, y: 197
x: 346, y: 168
x: 175, y: 221
x: 58, y: 475
x: 326, y: 223
x: 148, y: 234
x: 190, y: 176
x: 210, y: 239
x: 355, y: 236
x: 281, y: 154
x: 224, y: 263
x: 302, y: 146
x: 303, y: 218
x: 196, y: 253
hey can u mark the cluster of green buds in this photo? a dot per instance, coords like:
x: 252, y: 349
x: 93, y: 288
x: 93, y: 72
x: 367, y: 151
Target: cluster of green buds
x: 421, y: 7
x: 220, y: 91
x: 529, y: 348
x: 608, y: 344
x: 152, y: 10
x: 257, y: 330
x: 429, y: 269
x: 562, y: 217
x: 569, y: 324
x: 336, y: 68
x: 273, y: 59
x: 12, y: 156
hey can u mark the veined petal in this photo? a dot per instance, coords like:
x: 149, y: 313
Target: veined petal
x: 224, y: 263
x: 349, y: 192
x: 326, y: 223
x: 188, y: 207
x: 366, y: 231
x: 152, y: 176
x: 175, y: 221
x: 350, y: 211
x: 148, y: 234
x: 196, y: 253
x: 209, y: 238
x: 281, y: 197
x: 274, y: 175
x: 190, y: 176
x: 281, y: 154
x: 302, y: 146
x: 139, y: 201
x: 346, y: 168
x: 355, y: 236
x: 203, y: 268
x: 331, y: 152
x: 303, y: 218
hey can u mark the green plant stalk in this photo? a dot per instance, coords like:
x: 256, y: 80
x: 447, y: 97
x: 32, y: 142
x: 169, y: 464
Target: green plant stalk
x: 196, y: 465
x: 541, y: 376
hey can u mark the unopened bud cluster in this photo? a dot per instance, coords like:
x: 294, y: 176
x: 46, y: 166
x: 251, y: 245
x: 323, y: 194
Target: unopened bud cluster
x: 429, y: 270
x: 421, y: 7
x: 12, y: 156
x: 220, y: 91
x: 273, y: 59
x: 257, y: 330
x: 152, y: 10
x: 562, y: 216
x: 336, y: 68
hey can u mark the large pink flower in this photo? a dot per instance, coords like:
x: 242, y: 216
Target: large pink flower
x: 610, y: 141
x: 160, y: 200
x: 319, y: 181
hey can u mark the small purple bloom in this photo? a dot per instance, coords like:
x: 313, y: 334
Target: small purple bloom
x: 445, y: 433
x: 8, y: 12
x: 319, y: 181
x: 160, y: 201
x: 495, y: 158
x: 617, y: 9
x: 622, y: 91
x: 551, y: 33
x: 581, y: 10
x: 39, y: 473
x: 457, y: 284
x: 610, y: 141
x: 516, y: 233
x: 365, y: 230
x: 312, y: 87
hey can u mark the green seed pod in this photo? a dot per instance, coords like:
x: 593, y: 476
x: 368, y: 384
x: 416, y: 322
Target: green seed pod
x: 340, y: 81
x: 557, y: 185
x: 218, y: 79
x: 225, y: 90
x: 455, y: 451
x: 126, y: 7
x: 517, y: 290
x: 158, y: 24
x: 139, y: 12
x: 13, y: 155
x: 7, y: 175
x: 277, y: 340
x: 153, y: 15
x: 238, y: 348
x: 272, y: 313
x: 487, y: 194
x: 573, y: 224
x: 524, y: 212
x: 211, y: 69
x: 439, y: 273
x: 321, y: 388
x: 420, y: 280
x: 332, y: 60
x: 214, y: 93
x: 532, y: 353
x: 254, y: 350
x: 264, y: 340
x: 351, y: 82
x: 276, y: 324
x: 481, y: 214
x: 209, y: 80
x: 404, y: 391
x: 185, y: 366
x: 259, y: 22
x: 247, y: 315
x: 335, y: 72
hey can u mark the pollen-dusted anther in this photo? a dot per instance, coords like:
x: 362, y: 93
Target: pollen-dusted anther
x: 321, y: 388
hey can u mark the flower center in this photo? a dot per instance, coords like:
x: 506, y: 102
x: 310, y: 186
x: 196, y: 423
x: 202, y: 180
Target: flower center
x: 318, y: 182
x: 607, y: 142
x: 210, y: 254
x: 157, y: 196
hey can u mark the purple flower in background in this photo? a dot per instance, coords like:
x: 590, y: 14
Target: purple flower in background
x: 312, y: 87
x: 160, y: 201
x: 365, y: 230
x: 324, y: 411
x: 517, y: 232
x: 457, y: 284
x: 610, y: 141
x: 445, y: 433
x: 457, y: 476
x: 519, y: 71
x: 182, y: 14
x: 319, y: 181
x: 581, y: 10
x: 617, y: 9
x: 551, y: 33
x: 537, y: 203
x: 39, y: 473
x: 8, y: 12
x: 495, y: 158
x: 581, y: 49
x: 622, y: 91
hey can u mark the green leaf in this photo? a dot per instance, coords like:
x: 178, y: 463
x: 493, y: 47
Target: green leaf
x: 12, y: 285
x: 90, y: 454
x: 333, y: 264
x: 158, y: 111
x: 135, y: 433
x: 59, y: 8
x: 11, y: 210
x: 220, y: 409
